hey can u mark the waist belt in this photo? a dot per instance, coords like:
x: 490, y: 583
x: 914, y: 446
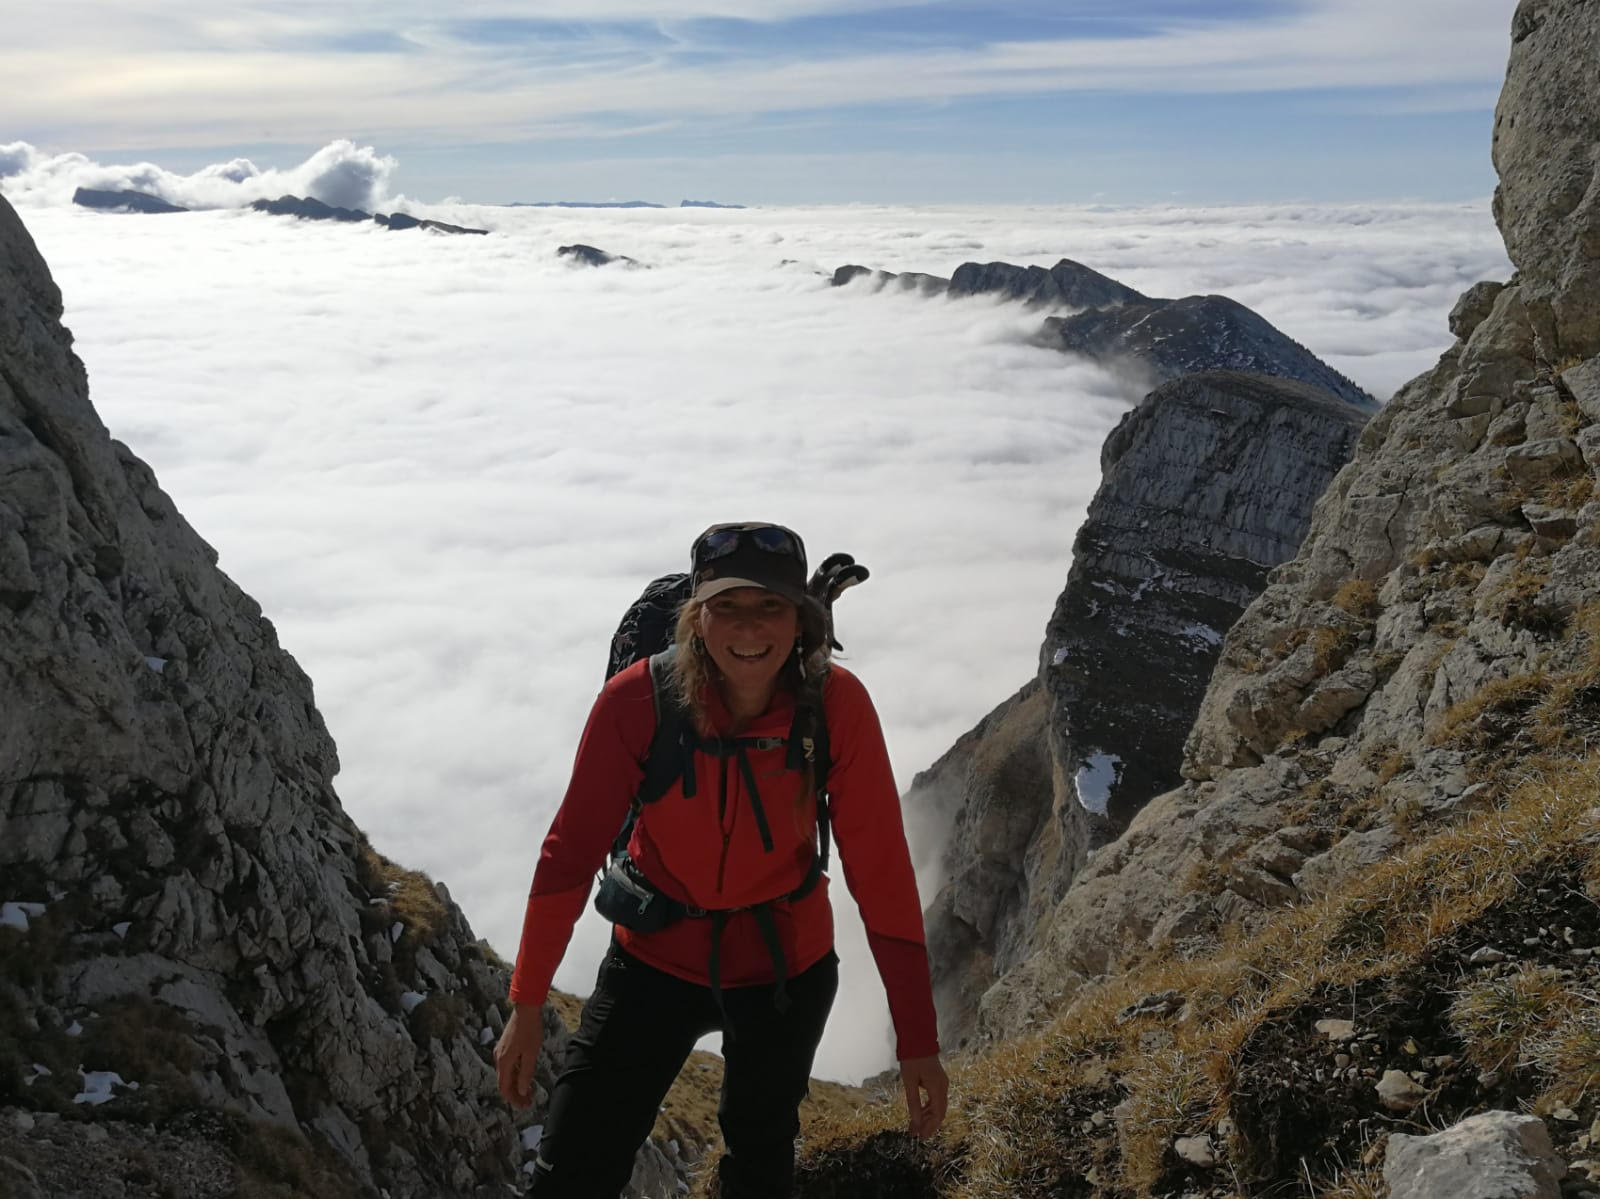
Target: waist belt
x: 628, y: 898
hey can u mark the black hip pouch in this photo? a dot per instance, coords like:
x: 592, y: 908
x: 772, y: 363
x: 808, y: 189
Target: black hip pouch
x: 626, y: 897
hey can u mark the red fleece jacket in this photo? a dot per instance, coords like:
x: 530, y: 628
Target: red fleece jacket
x: 706, y: 851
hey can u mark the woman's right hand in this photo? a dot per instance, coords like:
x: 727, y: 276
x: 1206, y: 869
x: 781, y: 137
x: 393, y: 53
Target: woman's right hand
x: 516, y: 1055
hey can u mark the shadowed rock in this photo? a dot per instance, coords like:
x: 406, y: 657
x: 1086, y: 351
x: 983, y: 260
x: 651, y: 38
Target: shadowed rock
x: 1206, y: 485
x: 309, y: 209
x: 1068, y: 284
x: 404, y: 220
x: 1175, y: 337
x: 188, y: 907
x: 905, y: 281
x: 123, y: 201
x: 590, y: 256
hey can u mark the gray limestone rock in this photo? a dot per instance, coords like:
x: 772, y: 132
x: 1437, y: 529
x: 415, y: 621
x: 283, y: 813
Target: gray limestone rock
x: 1421, y: 579
x: 1475, y: 304
x: 1534, y: 462
x: 1583, y: 381
x: 990, y: 801
x: 1399, y: 1092
x: 1350, y: 856
x: 1548, y: 199
x: 166, y: 790
x: 1207, y: 485
x: 1496, y: 1155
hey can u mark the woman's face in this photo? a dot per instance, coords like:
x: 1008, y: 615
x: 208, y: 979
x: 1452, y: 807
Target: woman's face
x: 749, y: 633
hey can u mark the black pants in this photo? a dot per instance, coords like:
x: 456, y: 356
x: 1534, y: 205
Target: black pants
x: 635, y: 1034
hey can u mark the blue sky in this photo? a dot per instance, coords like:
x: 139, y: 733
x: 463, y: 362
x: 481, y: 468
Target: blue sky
x: 788, y: 101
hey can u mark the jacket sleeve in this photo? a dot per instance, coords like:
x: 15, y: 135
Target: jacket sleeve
x: 876, y: 862
x: 605, y: 778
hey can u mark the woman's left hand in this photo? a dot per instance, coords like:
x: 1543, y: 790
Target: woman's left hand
x: 927, y: 1094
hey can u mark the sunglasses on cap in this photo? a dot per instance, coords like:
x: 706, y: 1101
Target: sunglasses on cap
x: 719, y: 543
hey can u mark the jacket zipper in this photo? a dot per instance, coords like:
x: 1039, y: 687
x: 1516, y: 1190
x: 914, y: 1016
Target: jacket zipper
x: 722, y: 823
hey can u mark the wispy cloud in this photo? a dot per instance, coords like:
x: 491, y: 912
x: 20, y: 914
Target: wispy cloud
x: 91, y: 73
x: 445, y: 466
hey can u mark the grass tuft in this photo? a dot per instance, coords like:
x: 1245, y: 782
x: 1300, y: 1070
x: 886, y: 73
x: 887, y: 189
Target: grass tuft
x: 410, y: 893
x: 1499, y: 1017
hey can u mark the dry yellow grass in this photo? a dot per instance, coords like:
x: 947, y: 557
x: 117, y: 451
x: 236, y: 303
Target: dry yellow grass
x: 1571, y: 492
x: 1569, y: 1053
x: 1499, y: 1017
x: 1004, y: 1098
x: 1484, y: 718
x: 1331, y: 647
x: 410, y: 894
x: 1359, y: 598
x: 1517, y: 599
x: 568, y: 1007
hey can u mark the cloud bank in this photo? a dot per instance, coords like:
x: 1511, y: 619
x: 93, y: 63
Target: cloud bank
x: 445, y: 466
x: 341, y: 173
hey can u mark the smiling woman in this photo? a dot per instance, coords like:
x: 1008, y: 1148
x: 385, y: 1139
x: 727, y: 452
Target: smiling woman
x: 722, y: 921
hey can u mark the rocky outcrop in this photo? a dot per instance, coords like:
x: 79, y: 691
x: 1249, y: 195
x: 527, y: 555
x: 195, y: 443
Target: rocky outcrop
x: 1548, y: 199
x: 309, y: 208
x: 930, y: 285
x: 1490, y: 1156
x: 404, y: 220
x: 198, y: 950
x: 312, y: 209
x: 992, y: 792
x: 1155, y: 339
x: 1068, y: 284
x: 590, y: 256
x: 1207, y: 485
x: 1442, y: 617
x: 123, y: 201
x: 1174, y: 337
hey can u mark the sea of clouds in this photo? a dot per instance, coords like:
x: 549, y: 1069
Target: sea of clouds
x: 446, y: 465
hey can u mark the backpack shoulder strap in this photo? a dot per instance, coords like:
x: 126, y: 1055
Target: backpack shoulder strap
x: 671, y: 754
x: 809, y: 748
x: 672, y: 747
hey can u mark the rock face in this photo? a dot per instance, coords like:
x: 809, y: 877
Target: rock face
x: 197, y: 947
x: 123, y: 201
x: 1498, y: 1155
x: 1207, y: 485
x: 1174, y: 337
x: 1548, y: 199
x: 1450, y: 577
